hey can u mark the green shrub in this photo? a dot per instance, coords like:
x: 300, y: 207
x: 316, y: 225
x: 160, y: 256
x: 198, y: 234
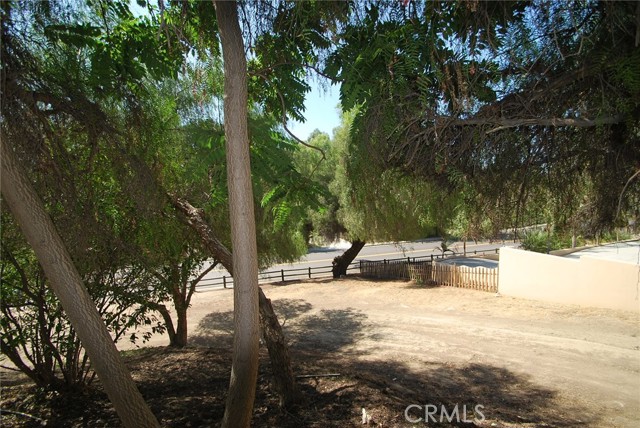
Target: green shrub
x: 541, y: 241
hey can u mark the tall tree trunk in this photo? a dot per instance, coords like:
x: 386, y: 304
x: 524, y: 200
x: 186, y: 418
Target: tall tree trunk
x: 40, y: 232
x: 244, y: 369
x: 284, y: 381
x: 342, y: 262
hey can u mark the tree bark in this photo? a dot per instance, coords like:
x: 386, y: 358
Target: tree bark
x: 284, y: 382
x: 180, y: 339
x: 342, y: 262
x: 166, y: 316
x: 194, y: 218
x: 244, y: 368
x: 40, y: 232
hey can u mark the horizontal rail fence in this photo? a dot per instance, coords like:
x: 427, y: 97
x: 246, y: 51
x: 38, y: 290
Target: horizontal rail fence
x: 429, y: 270
x: 416, y: 268
x: 282, y: 275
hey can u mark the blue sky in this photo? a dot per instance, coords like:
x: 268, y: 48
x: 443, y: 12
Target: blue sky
x: 321, y: 111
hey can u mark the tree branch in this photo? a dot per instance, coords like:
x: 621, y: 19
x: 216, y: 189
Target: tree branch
x: 309, y: 66
x: 284, y: 122
x: 637, y: 173
x: 195, y: 282
x: 194, y: 218
x: 504, y: 123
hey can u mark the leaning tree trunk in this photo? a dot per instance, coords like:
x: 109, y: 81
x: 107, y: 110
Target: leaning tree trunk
x: 166, y: 316
x: 244, y: 368
x: 194, y: 218
x: 342, y: 262
x: 284, y: 381
x: 40, y: 232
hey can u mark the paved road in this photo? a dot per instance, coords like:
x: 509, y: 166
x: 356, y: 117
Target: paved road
x: 322, y: 257
x: 400, y: 250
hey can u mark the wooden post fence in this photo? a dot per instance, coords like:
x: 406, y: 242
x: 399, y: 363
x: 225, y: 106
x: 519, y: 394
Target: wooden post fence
x: 433, y: 273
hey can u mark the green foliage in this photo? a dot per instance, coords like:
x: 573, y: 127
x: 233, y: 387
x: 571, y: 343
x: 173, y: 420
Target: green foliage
x: 321, y: 162
x: 286, y: 51
x: 194, y: 164
x: 435, y: 86
x: 616, y: 236
x: 541, y: 241
x: 284, y: 192
x: 96, y: 109
x: 625, y: 71
x: 364, y: 202
x: 87, y: 143
x: 36, y: 333
x: 120, y: 50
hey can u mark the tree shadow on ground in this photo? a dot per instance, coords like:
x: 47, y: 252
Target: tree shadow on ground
x: 504, y: 396
x: 329, y: 329
x: 290, y: 309
x: 188, y: 387
x: 386, y: 388
x: 320, y: 344
x: 214, y: 329
x: 217, y: 326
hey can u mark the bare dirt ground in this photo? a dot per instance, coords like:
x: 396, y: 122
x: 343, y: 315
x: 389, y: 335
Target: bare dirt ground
x: 393, y: 344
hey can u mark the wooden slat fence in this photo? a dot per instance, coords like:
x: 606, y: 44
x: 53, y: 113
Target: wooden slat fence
x: 390, y: 269
x: 476, y: 278
x: 433, y: 273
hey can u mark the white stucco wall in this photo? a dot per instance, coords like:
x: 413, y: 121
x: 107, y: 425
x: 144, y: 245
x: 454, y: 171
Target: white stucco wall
x: 587, y: 281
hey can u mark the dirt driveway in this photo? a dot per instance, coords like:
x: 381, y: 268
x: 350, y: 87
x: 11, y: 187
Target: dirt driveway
x: 572, y: 365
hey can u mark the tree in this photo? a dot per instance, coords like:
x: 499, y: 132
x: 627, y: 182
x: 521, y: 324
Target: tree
x: 110, y: 87
x: 177, y: 276
x: 244, y: 369
x: 495, y: 101
x: 66, y: 282
x: 180, y: 161
x: 54, y: 74
x: 185, y: 164
x: 284, y: 380
x: 319, y: 162
x: 320, y: 159
x: 37, y: 336
x: 363, y: 203
x: 96, y: 188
